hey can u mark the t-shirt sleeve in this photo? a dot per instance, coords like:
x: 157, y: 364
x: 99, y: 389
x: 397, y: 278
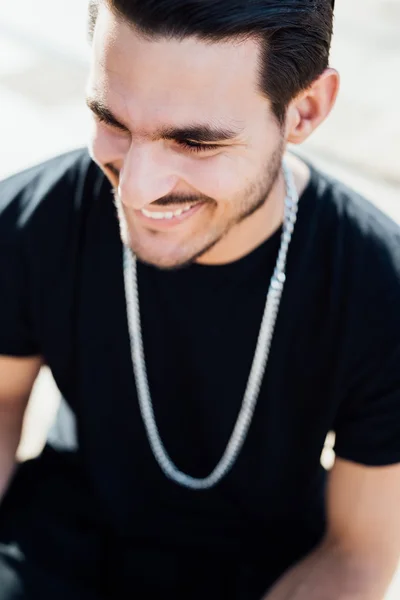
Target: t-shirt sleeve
x: 368, y: 422
x: 16, y: 329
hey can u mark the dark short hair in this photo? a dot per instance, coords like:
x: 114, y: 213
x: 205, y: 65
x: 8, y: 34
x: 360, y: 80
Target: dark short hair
x: 295, y: 35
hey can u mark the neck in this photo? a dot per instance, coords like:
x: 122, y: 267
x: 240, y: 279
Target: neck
x: 260, y: 226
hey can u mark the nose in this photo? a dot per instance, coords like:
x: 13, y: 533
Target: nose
x: 145, y: 176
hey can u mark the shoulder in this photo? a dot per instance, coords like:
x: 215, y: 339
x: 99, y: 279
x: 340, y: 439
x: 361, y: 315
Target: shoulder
x: 46, y: 193
x: 363, y: 249
x: 361, y: 235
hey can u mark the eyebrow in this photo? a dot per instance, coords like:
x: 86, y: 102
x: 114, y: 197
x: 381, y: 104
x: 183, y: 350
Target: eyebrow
x: 201, y: 133
x: 101, y: 111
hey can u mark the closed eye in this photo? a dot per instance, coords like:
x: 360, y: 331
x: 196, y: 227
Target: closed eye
x: 178, y: 135
x: 185, y: 144
x: 196, y: 147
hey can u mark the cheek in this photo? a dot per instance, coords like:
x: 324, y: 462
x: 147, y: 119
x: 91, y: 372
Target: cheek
x: 222, y: 177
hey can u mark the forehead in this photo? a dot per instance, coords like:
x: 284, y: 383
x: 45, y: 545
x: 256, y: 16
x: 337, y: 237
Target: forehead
x: 162, y: 80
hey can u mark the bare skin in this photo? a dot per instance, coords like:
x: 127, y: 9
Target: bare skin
x: 234, y: 179
x: 17, y: 376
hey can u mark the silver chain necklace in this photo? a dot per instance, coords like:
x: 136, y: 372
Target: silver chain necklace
x: 260, y: 359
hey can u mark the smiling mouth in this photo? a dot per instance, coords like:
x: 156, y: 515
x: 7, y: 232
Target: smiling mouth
x: 167, y: 218
x: 159, y: 216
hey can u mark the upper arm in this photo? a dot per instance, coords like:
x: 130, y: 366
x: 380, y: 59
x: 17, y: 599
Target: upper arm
x: 17, y: 376
x: 363, y: 513
x: 363, y: 492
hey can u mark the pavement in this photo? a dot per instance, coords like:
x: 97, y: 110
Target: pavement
x: 44, y: 62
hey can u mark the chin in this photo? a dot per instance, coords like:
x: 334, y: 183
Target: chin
x: 163, y: 256
x: 164, y: 264
x: 165, y: 261
x: 170, y: 258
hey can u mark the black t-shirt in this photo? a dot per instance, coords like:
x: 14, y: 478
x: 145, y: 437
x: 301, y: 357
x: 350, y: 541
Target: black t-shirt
x: 333, y: 365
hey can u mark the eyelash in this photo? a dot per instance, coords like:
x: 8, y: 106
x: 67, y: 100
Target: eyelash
x: 185, y: 144
x: 193, y: 147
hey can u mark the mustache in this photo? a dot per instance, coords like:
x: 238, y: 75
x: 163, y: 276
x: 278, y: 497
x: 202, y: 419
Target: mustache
x: 176, y: 200
x: 172, y: 199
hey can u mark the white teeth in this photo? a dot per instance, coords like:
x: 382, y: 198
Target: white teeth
x: 164, y: 215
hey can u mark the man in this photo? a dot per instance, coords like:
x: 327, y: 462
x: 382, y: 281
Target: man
x: 251, y: 307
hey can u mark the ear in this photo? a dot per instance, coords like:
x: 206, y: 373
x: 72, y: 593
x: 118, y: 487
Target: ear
x: 311, y: 107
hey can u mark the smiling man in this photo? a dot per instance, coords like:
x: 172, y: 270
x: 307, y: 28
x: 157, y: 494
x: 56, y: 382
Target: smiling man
x: 210, y: 307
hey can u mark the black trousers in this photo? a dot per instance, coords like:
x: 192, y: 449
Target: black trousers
x: 52, y: 545
x: 55, y: 545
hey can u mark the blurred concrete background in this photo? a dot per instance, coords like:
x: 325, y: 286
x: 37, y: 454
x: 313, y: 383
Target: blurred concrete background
x: 43, y: 68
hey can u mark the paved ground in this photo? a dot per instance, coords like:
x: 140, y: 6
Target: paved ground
x: 43, y: 68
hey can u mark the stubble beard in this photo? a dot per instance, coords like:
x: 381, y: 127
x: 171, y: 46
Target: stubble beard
x: 259, y: 192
